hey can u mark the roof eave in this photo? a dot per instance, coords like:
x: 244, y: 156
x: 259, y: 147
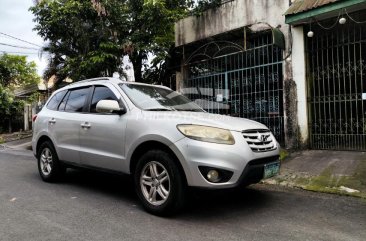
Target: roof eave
x: 325, y: 10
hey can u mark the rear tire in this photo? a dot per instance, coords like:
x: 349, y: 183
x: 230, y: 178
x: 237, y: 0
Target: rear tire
x: 159, y: 183
x: 49, y: 167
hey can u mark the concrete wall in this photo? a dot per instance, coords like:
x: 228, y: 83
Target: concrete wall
x: 229, y: 16
x: 259, y: 15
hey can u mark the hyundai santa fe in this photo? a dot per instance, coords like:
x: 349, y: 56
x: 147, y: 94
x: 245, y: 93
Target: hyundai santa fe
x: 160, y: 137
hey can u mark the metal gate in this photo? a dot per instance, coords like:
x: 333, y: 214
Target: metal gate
x: 337, y: 86
x: 239, y: 80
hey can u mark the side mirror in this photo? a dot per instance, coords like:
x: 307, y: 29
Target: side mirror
x: 109, y: 106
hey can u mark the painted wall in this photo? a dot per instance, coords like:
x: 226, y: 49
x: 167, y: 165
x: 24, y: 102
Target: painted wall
x: 299, y: 76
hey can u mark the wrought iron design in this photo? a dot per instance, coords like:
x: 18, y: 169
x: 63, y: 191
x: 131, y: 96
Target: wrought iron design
x: 336, y: 83
x: 214, y: 49
x: 243, y: 83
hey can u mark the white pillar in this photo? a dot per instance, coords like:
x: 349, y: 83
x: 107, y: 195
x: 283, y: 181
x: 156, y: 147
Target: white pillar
x: 26, y: 115
x: 299, y: 76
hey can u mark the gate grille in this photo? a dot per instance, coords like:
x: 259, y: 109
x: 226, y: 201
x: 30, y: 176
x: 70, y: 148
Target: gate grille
x: 225, y: 78
x: 336, y: 86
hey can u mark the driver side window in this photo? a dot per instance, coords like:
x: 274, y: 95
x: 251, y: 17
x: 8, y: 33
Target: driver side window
x: 101, y: 93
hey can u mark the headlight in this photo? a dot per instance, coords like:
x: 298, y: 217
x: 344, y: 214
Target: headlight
x: 207, y: 134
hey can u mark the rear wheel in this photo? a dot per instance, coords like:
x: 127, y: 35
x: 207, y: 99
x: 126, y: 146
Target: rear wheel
x: 49, y: 166
x: 159, y: 183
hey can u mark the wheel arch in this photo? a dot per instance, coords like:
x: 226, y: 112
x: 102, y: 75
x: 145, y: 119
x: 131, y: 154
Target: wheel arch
x: 153, y: 145
x: 41, y: 140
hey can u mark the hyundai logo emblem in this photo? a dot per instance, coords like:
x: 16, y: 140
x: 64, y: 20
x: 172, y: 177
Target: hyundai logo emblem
x: 262, y: 138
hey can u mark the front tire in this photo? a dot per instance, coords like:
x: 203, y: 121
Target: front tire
x: 159, y: 183
x: 49, y: 167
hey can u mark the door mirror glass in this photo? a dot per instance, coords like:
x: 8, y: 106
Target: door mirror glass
x: 109, y: 106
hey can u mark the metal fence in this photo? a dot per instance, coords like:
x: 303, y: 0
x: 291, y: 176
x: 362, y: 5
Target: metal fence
x: 337, y: 85
x: 239, y: 80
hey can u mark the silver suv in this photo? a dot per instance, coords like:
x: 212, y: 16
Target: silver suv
x: 164, y: 140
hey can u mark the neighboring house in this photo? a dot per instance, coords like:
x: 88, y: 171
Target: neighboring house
x: 30, y: 109
x: 252, y: 59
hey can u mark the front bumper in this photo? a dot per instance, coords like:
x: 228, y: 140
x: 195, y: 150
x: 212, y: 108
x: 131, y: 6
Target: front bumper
x: 254, y: 170
x: 247, y: 166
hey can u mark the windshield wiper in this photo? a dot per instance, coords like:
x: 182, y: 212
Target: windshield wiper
x: 159, y: 109
x: 193, y: 110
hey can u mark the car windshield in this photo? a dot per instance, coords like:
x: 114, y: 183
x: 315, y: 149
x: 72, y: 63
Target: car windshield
x: 154, y: 98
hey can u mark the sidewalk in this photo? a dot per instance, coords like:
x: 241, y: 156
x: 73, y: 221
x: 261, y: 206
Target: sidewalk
x: 340, y: 172
x: 19, y: 140
x: 10, y: 137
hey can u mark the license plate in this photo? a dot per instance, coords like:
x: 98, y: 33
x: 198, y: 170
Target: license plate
x: 271, y: 169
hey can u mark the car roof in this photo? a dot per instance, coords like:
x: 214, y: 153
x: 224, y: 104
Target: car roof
x: 104, y: 80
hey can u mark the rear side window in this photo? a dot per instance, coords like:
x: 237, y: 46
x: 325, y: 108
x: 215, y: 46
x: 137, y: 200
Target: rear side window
x: 101, y: 93
x: 76, y: 100
x: 55, y: 100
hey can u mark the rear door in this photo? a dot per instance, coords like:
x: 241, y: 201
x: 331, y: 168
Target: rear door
x: 64, y: 124
x: 102, y: 135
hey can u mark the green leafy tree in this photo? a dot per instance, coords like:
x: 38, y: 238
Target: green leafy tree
x: 15, y: 71
x: 9, y: 107
x: 152, y: 34
x: 89, y: 38
x: 82, y: 37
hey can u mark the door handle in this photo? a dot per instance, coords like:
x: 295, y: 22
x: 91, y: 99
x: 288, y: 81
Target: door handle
x: 52, y: 121
x: 85, y: 125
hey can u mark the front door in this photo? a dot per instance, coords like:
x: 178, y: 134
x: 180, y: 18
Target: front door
x: 102, y: 135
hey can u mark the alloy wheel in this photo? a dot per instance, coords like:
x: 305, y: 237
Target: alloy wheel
x: 46, y: 161
x: 155, y: 183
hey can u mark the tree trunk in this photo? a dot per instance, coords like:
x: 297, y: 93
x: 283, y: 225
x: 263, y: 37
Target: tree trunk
x: 136, y: 60
x: 9, y: 126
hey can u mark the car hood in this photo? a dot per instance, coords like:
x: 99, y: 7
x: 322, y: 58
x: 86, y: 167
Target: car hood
x: 204, y: 118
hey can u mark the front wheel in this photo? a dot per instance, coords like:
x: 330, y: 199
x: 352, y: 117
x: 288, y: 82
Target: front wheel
x: 159, y: 183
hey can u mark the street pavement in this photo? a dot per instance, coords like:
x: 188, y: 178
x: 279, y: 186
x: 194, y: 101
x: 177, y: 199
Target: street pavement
x: 95, y: 206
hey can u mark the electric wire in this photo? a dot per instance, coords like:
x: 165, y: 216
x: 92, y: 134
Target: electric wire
x: 10, y: 36
x: 352, y: 18
x: 15, y: 52
x: 17, y: 46
x: 328, y: 28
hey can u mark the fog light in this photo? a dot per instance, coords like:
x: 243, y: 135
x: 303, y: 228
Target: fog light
x: 213, y: 176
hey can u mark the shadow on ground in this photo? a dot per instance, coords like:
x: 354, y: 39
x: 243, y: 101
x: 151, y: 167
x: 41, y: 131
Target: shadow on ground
x: 200, y: 202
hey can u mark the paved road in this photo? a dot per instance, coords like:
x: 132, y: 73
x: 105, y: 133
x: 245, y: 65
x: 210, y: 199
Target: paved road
x: 92, y: 206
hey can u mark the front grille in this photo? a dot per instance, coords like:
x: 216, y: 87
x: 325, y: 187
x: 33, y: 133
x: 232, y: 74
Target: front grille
x: 259, y: 140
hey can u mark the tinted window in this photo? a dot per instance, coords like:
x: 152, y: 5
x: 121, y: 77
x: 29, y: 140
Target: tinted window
x: 55, y: 100
x: 76, y: 99
x: 101, y: 93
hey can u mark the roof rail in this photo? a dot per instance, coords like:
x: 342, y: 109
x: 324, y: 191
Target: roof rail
x: 88, y: 80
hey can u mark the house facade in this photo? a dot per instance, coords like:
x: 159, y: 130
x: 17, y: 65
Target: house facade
x: 253, y: 59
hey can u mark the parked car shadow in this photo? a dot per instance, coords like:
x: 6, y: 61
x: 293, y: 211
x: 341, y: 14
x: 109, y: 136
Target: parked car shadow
x: 201, y: 204
x: 204, y: 204
x: 117, y: 186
